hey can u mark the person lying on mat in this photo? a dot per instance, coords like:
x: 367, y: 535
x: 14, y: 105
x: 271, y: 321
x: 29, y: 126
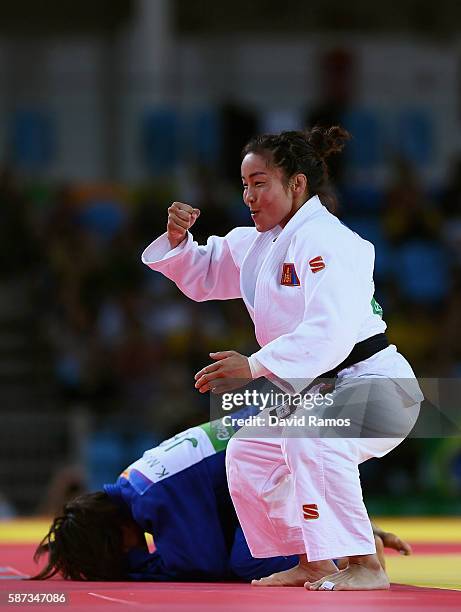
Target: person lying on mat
x: 178, y: 493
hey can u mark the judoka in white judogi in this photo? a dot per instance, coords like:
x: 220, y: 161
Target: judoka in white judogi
x: 309, y: 290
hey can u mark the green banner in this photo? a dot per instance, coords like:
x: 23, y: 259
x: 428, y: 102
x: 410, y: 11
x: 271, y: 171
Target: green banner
x: 218, y: 434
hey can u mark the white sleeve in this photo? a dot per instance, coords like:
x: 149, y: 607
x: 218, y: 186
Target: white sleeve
x: 336, y: 300
x: 210, y: 272
x: 256, y: 368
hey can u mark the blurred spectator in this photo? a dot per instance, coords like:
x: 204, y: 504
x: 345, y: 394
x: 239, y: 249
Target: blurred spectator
x: 16, y: 238
x: 451, y: 209
x: 337, y: 84
x: 7, y: 510
x: 448, y: 351
x: 238, y: 125
x: 409, y: 214
x: 65, y: 484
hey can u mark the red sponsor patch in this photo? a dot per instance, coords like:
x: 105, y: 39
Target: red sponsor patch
x: 289, y: 276
x: 317, y: 264
x: 310, y: 511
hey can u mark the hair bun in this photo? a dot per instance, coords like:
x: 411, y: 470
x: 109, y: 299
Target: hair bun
x: 326, y: 141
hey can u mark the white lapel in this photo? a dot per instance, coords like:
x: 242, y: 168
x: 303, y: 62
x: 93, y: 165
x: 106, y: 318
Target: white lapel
x: 271, y: 266
x: 249, y: 271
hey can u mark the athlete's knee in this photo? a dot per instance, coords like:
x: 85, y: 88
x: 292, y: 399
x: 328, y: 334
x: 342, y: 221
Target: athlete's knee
x: 240, y: 451
x: 299, y: 449
x: 235, y: 458
x: 234, y: 452
x: 248, y: 464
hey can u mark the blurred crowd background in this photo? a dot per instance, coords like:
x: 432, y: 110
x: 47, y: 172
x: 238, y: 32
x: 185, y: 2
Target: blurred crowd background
x: 111, y: 110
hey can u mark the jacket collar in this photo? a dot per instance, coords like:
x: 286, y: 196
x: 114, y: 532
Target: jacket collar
x: 305, y: 212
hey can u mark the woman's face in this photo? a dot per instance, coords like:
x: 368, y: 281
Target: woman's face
x: 265, y: 193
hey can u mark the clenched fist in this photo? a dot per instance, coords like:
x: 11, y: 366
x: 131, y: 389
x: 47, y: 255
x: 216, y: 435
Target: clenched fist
x: 181, y: 217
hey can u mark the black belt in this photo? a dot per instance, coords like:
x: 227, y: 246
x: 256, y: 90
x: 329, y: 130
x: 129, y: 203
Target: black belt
x: 361, y: 351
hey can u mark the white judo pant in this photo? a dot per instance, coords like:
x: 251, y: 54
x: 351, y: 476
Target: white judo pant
x: 296, y: 495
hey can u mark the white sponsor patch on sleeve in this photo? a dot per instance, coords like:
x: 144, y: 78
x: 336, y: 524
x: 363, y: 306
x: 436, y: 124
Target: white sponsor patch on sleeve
x: 174, y: 455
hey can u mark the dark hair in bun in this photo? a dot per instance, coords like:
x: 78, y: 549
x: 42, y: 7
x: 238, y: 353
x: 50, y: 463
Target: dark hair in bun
x: 303, y: 152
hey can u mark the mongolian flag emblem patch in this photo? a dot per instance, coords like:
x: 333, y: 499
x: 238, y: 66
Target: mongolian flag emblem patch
x: 289, y: 276
x: 317, y: 264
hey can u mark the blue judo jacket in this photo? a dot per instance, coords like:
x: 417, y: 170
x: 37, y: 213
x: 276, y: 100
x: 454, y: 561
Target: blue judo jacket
x: 178, y: 492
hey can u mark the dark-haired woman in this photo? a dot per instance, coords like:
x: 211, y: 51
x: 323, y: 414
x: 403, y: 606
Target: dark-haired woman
x: 177, y: 492
x: 307, y: 281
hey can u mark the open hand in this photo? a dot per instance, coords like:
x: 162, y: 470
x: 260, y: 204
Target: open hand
x: 390, y: 540
x: 230, y: 371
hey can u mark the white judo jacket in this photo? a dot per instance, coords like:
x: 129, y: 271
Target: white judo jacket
x: 308, y: 287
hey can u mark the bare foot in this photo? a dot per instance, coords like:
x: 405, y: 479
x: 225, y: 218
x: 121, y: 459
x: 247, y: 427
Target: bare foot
x: 297, y: 576
x: 392, y: 541
x: 364, y: 573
